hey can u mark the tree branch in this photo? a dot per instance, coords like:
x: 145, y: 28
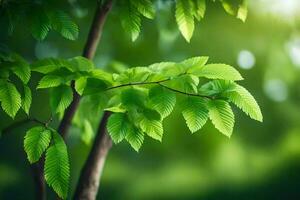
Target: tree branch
x: 185, y: 93
x: 36, y: 168
x: 89, y: 179
x: 38, y: 177
x: 160, y: 83
x: 137, y: 83
x: 88, y: 52
x: 22, y: 122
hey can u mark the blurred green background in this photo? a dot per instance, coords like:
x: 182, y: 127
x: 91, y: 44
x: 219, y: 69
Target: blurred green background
x: 260, y: 161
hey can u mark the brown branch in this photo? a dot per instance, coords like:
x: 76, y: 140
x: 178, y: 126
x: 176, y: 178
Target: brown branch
x: 88, y: 52
x: 20, y: 123
x: 69, y: 113
x: 89, y: 179
x: 36, y: 168
x: 39, y: 180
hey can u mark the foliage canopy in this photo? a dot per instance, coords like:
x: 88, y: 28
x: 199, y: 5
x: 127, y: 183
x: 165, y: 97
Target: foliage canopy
x: 139, y: 98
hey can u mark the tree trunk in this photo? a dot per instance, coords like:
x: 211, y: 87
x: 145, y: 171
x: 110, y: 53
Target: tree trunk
x: 90, y: 175
x: 39, y: 180
x: 89, y: 180
x: 88, y: 52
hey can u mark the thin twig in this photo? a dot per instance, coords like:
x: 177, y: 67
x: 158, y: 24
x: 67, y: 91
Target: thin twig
x: 143, y: 83
x: 186, y: 93
x: 22, y: 122
x: 137, y: 83
x: 160, y: 83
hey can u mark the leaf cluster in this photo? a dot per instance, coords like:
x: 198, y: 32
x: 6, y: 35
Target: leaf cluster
x: 12, y: 98
x: 40, y: 17
x: 140, y: 98
x: 41, y: 139
x: 186, y: 13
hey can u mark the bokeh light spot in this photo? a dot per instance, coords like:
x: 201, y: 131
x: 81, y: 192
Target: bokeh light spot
x: 293, y: 48
x: 276, y: 90
x: 246, y: 59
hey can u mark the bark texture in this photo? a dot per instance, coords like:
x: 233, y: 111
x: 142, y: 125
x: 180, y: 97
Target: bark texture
x: 89, y: 180
x: 91, y: 172
x: 89, y: 51
x: 39, y: 180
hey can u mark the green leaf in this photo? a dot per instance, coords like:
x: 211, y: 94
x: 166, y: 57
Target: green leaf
x: 80, y: 85
x: 94, y: 104
x: 185, y: 18
x: 26, y: 100
x: 10, y: 98
x: 162, y: 100
x: 49, y: 81
x: 199, y: 9
x: 36, y: 141
x: 152, y: 128
x: 57, y: 167
x: 40, y: 24
x: 102, y: 75
x: 66, y: 74
x: 221, y: 116
x: 118, y: 126
x: 242, y: 98
x: 242, y: 11
x: 133, y: 97
x: 48, y: 65
x: 87, y: 132
x: 230, y: 6
x: 135, y: 138
x: 236, y: 94
x: 216, y: 88
x: 186, y: 83
x: 145, y: 7
x: 116, y: 109
x: 136, y: 74
x: 130, y: 19
x: 62, y: 23
x: 195, y: 113
x: 80, y: 63
x: 217, y: 71
x: 60, y: 98
x: 162, y: 66
x: 150, y: 123
x: 91, y: 86
x: 21, y: 68
x: 236, y: 8
x: 194, y: 62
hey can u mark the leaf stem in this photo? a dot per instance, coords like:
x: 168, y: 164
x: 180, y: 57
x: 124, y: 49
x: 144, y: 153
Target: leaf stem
x: 160, y: 83
x: 137, y: 83
x: 22, y: 122
x: 185, y: 93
